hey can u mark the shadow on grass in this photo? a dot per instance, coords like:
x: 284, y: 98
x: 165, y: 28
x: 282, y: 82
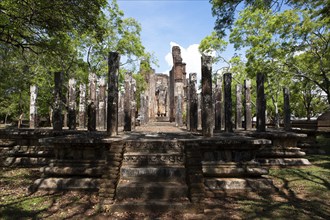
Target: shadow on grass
x: 17, y: 203
x: 303, y: 194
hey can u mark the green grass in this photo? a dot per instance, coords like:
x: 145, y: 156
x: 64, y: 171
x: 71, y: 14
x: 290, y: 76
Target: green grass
x: 302, y: 193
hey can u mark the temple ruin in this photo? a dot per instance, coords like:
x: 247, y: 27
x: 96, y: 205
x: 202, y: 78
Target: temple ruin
x: 104, y: 148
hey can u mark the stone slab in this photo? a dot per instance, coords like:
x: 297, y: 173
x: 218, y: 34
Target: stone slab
x: 228, y: 184
x: 232, y: 170
x: 151, y: 190
x: 58, y: 184
x: 284, y: 162
x: 153, y: 172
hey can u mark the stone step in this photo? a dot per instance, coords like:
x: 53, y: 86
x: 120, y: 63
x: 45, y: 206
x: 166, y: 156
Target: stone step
x: 4, y: 150
x: 153, y: 146
x: 7, y: 143
x: 30, y: 153
x: 152, y: 159
x: 153, y: 172
x: 58, y: 184
x: 33, y: 148
x: 221, y: 169
x: 170, y: 191
x: 72, y: 171
x: 155, y: 206
x: 284, y: 162
x: 281, y: 152
x: 214, y: 186
x: 76, y: 163
x: 162, y: 119
x: 25, y: 161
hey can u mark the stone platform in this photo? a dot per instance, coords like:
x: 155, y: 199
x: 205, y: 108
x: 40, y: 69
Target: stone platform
x: 158, y: 166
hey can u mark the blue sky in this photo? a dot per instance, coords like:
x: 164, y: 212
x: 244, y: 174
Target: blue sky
x: 172, y: 22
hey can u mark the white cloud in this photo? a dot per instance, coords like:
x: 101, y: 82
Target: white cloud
x: 190, y: 56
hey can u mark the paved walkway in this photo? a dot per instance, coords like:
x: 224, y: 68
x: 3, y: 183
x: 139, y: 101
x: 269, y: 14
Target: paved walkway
x: 160, y: 127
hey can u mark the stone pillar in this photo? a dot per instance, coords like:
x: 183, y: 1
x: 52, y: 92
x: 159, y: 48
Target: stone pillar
x: 193, y: 103
x: 207, y: 101
x: 218, y: 101
x: 57, y: 112
x: 239, y: 106
x: 133, y: 104
x: 199, y: 111
x: 171, y: 87
x: 82, y: 106
x: 102, y: 110
x: 112, y: 114
x: 261, y: 103
x: 142, y: 110
x: 287, y: 112
x: 247, y: 102
x: 228, y: 102
x: 128, y: 102
x: 92, y: 87
x: 72, y: 104
x: 33, y: 106
x: 121, y: 99
x: 179, y: 111
x: 91, y: 111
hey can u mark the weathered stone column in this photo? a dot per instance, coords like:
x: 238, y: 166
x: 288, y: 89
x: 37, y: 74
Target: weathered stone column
x: 228, y: 102
x: 121, y: 99
x: 261, y: 103
x: 112, y: 115
x: 82, y: 106
x: 142, y: 108
x: 133, y: 104
x: 287, y: 111
x: 199, y: 111
x: 218, y: 107
x: 239, y: 106
x: 128, y: 102
x: 207, y: 101
x: 72, y: 104
x: 188, y: 105
x: 179, y: 111
x: 172, y: 82
x: 57, y: 112
x: 33, y: 106
x: 91, y: 111
x: 102, y: 110
x: 247, y: 102
x: 193, y: 102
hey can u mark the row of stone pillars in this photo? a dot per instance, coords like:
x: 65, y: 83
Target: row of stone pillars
x: 101, y: 110
x: 221, y: 116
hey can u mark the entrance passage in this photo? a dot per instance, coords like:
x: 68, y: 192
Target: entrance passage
x: 160, y: 127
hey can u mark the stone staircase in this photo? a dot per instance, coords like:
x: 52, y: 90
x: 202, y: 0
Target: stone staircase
x: 152, y: 177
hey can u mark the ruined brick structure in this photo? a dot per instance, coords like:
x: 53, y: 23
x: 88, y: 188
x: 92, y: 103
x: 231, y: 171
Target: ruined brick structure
x: 167, y: 95
x: 178, y: 83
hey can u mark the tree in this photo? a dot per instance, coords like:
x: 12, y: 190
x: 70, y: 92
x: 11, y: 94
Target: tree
x: 225, y: 10
x: 38, y: 38
x: 33, y: 23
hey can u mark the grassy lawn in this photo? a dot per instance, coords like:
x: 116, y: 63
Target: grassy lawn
x: 302, y: 193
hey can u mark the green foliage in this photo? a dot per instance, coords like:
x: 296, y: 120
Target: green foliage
x: 141, y: 85
x: 287, y: 47
x: 212, y: 44
x: 57, y: 36
x: 30, y: 24
x: 224, y: 10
